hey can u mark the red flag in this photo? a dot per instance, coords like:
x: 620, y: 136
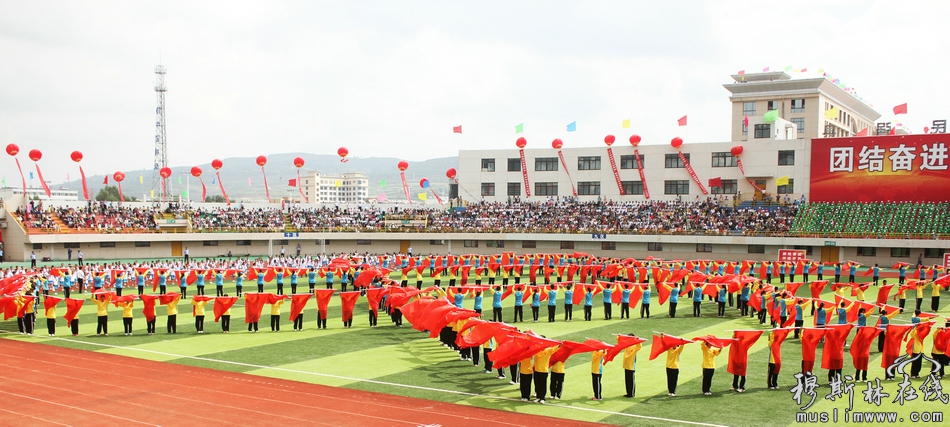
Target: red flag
x: 623, y: 341
x: 662, y: 343
x: 832, y: 355
x: 73, y: 305
x: 681, y: 121
x: 292, y: 182
x: 893, y: 131
x: 810, y: 339
x: 861, y: 346
x: 481, y: 331
x: 713, y: 341
x: 222, y: 304
x: 457, y: 129
x: 348, y: 301
x: 778, y: 337
x: 715, y: 182
x: 893, y: 337
x: 741, y: 72
x: 253, y: 304
x: 323, y: 301
x: 882, y: 294
x: 918, y: 335
x: 568, y: 349
x: 373, y: 296
x: 863, y: 132
x: 739, y: 352
x: 51, y: 302
x: 816, y: 287
x: 793, y: 287
x: 297, y: 304
x: 901, y: 109
x: 148, y: 306
x: 663, y: 291
x: 105, y: 180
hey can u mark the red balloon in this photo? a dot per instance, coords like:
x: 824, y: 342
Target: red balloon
x: 557, y: 144
x: 676, y: 142
x: 298, y: 162
x: 13, y: 149
x: 195, y: 171
x: 217, y: 164
x: 422, y: 182
x: 521, y: 142
x: 403, y: 165
x: 76, y: 156
x: 261, y: 160
x: 165, y: 172
x: 36, y: 155
x: 342, y: 152
x: 736, y: 151
x: 609, y: 140
x: 451, y: 173
x: 118, y: 176
x: 634, y: 140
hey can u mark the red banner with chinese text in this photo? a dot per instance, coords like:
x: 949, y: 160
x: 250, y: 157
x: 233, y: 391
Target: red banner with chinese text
x: 900, y: 168
x: 643, y: 179
x: 751, y: 182
x: 524, y: 173
x: 567, y: 171
x: 692, y: 173
x: 613, y: 166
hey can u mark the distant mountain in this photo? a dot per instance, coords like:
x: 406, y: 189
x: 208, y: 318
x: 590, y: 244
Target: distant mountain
x: 382, y: 172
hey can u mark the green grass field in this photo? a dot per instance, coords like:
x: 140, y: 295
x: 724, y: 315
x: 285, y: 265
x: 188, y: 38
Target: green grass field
x: 406, y: 362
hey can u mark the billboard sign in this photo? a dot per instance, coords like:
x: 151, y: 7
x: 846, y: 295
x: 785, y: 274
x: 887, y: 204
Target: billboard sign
x: 900, y: 168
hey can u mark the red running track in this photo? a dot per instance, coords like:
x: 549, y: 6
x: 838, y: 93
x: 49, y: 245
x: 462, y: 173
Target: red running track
x: 45, y: 385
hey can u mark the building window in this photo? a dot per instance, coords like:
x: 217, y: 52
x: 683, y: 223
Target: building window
x: 756, y: 249
x: 242, y: 242
x: 748, y: 108
x: 786, y: 189
x: 929, y: 253
x: 704, y: 247
x: 800, y: 123
x: 495, y: 243
x: 436, y: 242
x: 588, y: 188
x: 514, y: 188
x: 209, y: 243
x: 488, y: 165
x: 529, y: 244
x: 798, y: 105
x: 864, y: 251
x: 279, y: 243
x: 608, y: 246
x: 655, y: 246
x: 724, y: 160
x: 70, y: 245
x: 545, y: 164
x: 630, y: 162
x: 470, y: 243
x: 673, y: 160
x: 143, y: 244
x: 632, y: 188
x: 773, y: 105
x: 363, y: 242
x: 676, y: 187
x: 514, y: 165
x: 763, y: 131
x: 106, y: 244
x: 588, y: 163
x: 786, y: 157
x: 38, y: 246
x: 729, y: 186
x: 807, y: 249
x: 488, y: 189
x: 900, y: 252
x: 565, y: 244
x: 545, y: 188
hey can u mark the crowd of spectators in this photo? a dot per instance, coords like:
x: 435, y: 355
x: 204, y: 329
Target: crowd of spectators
x: 35, y: 216
x: 710, y: 216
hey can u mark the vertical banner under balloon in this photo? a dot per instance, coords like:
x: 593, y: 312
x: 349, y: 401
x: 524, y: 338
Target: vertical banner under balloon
x: 300, y: 188
x: 613, y: 166
x: 221, y: 186
x: 560, y: 155
x: 204, y: 190
x: 122, y: 199
x: 85, y: 188
x: 437, y: 198
x: 524, y: 174
x: 405, y: 186
x: 751, y: 182
x: 692, y: 173
x: 643, y: 179
x: 22, y: 178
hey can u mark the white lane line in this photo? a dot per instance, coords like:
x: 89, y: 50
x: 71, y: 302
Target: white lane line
x: 77, y: 408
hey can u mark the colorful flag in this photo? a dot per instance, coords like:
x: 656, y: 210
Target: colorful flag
x: 831, y: 113
x: 519, y: 128
x: 184, y: 194
x: 681, y: 121
x: 900, y: 109
x: 572, y: 126
x: 741, y: 72
x: 893, y: 131
x: 382, y: 183
x: 765, y: 70
x: 141, y: 179
x: 457, y: 129
x: 804, y: 70
x: 249, y: 182
x: 105, y: 179
x: 381, y: 197
x: 745, y: 121
x: 625, y: 124
x: 151, y: 194
x: 338, y: 183
x: 214, y: 181
x: 788, y: 68
x: 715, y: 182
x: 770, y: 116
x: 864, y: 132
x: 781, y: 181
x: 422, y: 196
x: 4, y: 181
x: 67, y: 177
x: 179, y: 179
x: 292, y: 182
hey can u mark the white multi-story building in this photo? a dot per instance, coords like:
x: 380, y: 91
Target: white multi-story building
x: 7, y: 193
x: 342, y: 188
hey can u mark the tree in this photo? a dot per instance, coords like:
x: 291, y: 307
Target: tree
x: 110, y: 193
x: 215, y: 199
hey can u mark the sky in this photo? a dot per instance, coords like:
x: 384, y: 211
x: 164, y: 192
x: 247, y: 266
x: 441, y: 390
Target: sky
x: 385, y: 78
